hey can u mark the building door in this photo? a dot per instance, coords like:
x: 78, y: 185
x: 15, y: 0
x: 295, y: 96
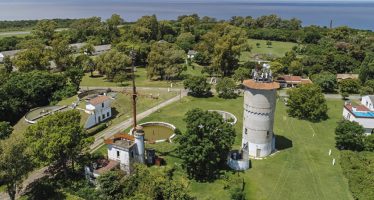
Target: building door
x: 258, y: 152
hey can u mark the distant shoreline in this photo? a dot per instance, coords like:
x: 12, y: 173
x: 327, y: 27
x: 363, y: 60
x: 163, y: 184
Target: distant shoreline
x: 353, y: 14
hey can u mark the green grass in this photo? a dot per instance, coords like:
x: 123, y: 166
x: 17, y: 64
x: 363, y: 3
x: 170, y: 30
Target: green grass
x: 301, y: 171
x: 141, y: 79
x: 10, y: 34
x: 277, y: 49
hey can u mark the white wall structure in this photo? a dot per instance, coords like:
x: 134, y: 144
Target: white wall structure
x: 1, y: 57
x: 99, y: 109
x: 360, y: 114
x: 259, y: 107
x: 368, y: 101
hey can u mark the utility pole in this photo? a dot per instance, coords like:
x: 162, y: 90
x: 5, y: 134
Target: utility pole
x: 134, y: 93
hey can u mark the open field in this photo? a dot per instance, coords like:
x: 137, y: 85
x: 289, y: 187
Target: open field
x: 277, y: 49
x: 301, y: 170
x: 141, y: 79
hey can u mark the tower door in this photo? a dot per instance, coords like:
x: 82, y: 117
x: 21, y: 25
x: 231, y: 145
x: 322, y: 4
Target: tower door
x: 258, y: 152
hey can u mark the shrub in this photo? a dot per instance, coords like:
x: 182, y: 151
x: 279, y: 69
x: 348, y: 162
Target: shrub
x: 226, y: 88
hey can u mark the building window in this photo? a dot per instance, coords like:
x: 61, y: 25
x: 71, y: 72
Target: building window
x: 107, y: 114
x: 245, y: 131
x: 118, y: 154
x: 103, y: 116
x: 99, y: 119
x: 102, y: 105
x: 349, y: 116
x: 267, y: 133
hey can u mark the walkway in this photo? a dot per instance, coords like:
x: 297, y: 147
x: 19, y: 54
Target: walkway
x: 99, y: 138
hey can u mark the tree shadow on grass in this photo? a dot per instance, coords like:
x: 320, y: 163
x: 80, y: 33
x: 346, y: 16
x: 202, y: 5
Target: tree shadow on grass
x: 43, y: 188
x: 282, y: 142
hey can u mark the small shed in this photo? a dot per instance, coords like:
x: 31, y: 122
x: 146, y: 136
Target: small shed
x: 191, y: 54
x: 1, y: 57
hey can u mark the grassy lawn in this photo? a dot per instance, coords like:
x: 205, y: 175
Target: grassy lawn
x: 141, y: 79
x: 277, y: 49
x: 301, y: 170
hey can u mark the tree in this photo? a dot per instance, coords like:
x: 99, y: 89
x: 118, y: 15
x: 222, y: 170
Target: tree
x: 112, y: 62
x: 237, y: 194
x: 350, y: 86
x: 75, y: 75
x: 110, y: 185
x: 307, y: 102
x: 45, y: 30
x: 369, y: 143
x: 62, y: 53
x: 258, y: 44
x: 296, y: 68
x: 113, y: 22
x: 5, y: 130
x: 349, y: 136
x: 185, y: 41
x: 165, y: 61
x: 188, y: 23
x: 276, y: 68
x: 85, y: 62
x: 367, y: 69
x: 23, y: 91
x: 15, y: 164
x: 227, y: 48
x: 146, y: 28
x: 269, y: 43
x: 241, y: 74
x: 58, y: 139
x: 204, y: 146
x: 226, y: 88
x: 8, y: 64
x: 88, y: 49
x: 33, y: 57
x: 325, y: 80
x: 197, y: 86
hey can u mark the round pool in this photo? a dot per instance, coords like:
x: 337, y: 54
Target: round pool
x: 155, y: 132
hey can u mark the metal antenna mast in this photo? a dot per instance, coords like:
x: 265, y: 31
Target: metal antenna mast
x: 134, y: 93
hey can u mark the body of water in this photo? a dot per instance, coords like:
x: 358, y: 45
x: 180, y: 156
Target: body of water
x: 357, y: 15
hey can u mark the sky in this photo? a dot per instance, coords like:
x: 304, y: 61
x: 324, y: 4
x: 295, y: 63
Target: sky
x: 257, y: 1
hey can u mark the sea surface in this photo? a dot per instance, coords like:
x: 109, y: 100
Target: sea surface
x: 351, y: 13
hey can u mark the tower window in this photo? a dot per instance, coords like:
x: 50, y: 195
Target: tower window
x: 118, y: 153
x: 132, y: 154
x: 102, y: 105
x: 245, y: 131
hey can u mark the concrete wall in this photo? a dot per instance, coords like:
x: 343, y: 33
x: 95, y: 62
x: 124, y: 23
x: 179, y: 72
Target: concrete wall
x: 259, y: 108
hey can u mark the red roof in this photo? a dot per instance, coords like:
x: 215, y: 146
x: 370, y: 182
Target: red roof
x: 359, y: 108
x: 289, y: 78
x: 294, y: 79
x: 111, y: 164
x: 98, y: 100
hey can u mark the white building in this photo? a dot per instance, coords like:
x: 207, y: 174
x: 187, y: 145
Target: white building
x: 99, y: 110
x: 360, y: 114
x: 1, y: 57
x: 191, y: 54
x: 368, y: 101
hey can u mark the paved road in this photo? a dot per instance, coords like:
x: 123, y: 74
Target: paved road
x: 118, y: 89
x: 283, y: 93
x: 99, y: 139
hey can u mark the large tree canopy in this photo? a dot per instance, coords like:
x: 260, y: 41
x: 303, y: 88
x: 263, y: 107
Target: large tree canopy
x: 203, y: 148
x: 349, y: 136
x: 112, y: 62
x: 15, y: 163
x: 165, y: 61
x: 58, y: 139
x: 326, y: 80
x: 307, y: 102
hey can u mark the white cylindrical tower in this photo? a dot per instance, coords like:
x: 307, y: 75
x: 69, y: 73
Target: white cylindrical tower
x: 259, y: 107
x: 139, y: 140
